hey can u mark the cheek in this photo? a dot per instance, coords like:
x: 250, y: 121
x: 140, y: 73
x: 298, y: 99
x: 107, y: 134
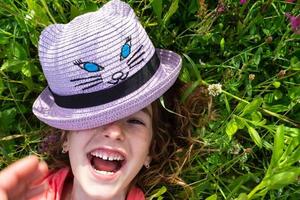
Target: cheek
x: 141, y: 142
x: 76, y: 144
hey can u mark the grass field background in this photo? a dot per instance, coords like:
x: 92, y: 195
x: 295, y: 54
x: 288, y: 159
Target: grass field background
x: 246, y: 52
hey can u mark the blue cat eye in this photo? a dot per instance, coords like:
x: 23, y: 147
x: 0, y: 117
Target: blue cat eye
x: 89, y: 66
x: 92, y: 67
x: 126, y: 49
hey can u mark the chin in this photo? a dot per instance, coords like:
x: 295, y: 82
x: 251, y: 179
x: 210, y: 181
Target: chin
x: 104, y: 192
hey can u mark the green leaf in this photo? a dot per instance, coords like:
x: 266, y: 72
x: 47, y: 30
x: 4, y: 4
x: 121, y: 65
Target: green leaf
x: 257, y: 56
x: 294, y: 143
x: 158, y: 193
x: 242, y: 196
x: 74, y: 12
x: 222, y: 44
x: 29, y: 70
x: 194, y: 67
x: 255, y: 136
x: 239, y: 108
x: 4, y: 40
x: 231, y: 128
x: 292, y: 132
x: 276, y: 84
x: 279, y: 180
x: 295, y: 64
x: 2, y: 86
x: 260, y: 123
x: 171, y: 11
x: 227, y: 105
x: 14, y: 66
x: 253, y: 106
x: 256, y: 116
x: 212, y: 197
x: 240, y: 122
x: 278, y: 145
x: 7, y: 120
x: 157, y: 8
x: 193, y: 7
x: 294, y: 92
x: 268, y: 98
x: 41, y: 15
x: 185, y: 75
x: 18, y: 51
x: 294, y: 157
x: 189, y: 90
x: 277, y: 94
x: 277, y: 108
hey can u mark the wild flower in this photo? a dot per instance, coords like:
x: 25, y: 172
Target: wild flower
x: 290, y: 1
x: 243, y: 1
x: 215, y: 89
x: 29, y: 16
x: 269, y: 40
x: 295, y: 22
x: 47, y: 142
x: 281, y: 74
x: 220, y: 8
x: 251, y: 77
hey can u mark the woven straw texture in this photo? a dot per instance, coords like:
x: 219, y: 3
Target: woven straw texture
x: 94, y: 52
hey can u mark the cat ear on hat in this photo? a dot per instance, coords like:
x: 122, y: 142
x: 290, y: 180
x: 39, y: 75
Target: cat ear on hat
x: 117, y: 7
x: 49, y: 37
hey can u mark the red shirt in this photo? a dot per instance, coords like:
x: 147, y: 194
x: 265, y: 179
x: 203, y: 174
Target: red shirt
x: 56, y: 182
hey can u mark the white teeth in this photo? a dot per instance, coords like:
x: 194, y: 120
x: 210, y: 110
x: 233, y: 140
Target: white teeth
x: 104, y: 156
x: 104, y: 172
x: 119, y: 158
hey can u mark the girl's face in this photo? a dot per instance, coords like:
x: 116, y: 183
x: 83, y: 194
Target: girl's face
x: 106, y: 159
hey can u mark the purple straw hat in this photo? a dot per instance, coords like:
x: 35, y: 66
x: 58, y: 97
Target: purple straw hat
x: 101, y: 67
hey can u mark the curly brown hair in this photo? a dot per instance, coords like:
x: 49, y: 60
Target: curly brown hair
x: 172, y: 145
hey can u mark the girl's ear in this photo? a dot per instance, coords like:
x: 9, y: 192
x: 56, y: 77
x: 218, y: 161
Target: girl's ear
x: 147, y: 162
x: 65, y: 145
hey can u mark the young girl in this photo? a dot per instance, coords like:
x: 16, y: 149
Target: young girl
x: 114, y: 139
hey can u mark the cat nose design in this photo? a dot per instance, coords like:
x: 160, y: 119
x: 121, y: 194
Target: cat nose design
x: 117, y: 77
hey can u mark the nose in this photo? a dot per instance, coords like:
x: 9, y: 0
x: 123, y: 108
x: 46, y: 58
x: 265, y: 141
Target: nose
x: 114, y: 131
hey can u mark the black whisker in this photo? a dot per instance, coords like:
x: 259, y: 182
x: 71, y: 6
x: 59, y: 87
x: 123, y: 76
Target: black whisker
x: 135, y: 53
x: 130, y: 67
x: 78, y: 62
x: 98, y: 79
x: 92, y: 85
x: 136, y: 58
x: 78, y: 79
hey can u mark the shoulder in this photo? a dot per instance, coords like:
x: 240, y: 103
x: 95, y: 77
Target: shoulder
x: 55, y: 183
x: 57, y: 177
x: 135, y: 194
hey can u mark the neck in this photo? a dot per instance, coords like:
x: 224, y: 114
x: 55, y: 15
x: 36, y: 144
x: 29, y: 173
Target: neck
x: 78, y: 193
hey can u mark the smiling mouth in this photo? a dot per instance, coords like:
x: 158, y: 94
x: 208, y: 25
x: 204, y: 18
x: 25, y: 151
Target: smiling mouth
x: 106, y: 162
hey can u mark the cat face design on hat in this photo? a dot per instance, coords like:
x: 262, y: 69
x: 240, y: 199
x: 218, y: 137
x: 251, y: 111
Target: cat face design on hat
x: 101, y: 67
x: 91, y: 67
x: 94, y: 51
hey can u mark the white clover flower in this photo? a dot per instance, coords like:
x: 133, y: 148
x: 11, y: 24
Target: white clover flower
x: 251, y: 77
x: 30, y: 15
x: 215, y: 89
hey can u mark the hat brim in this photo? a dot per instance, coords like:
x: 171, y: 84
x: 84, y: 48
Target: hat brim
x: 47, y: 111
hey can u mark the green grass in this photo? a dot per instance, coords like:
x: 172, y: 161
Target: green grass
x: 251, y: 150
